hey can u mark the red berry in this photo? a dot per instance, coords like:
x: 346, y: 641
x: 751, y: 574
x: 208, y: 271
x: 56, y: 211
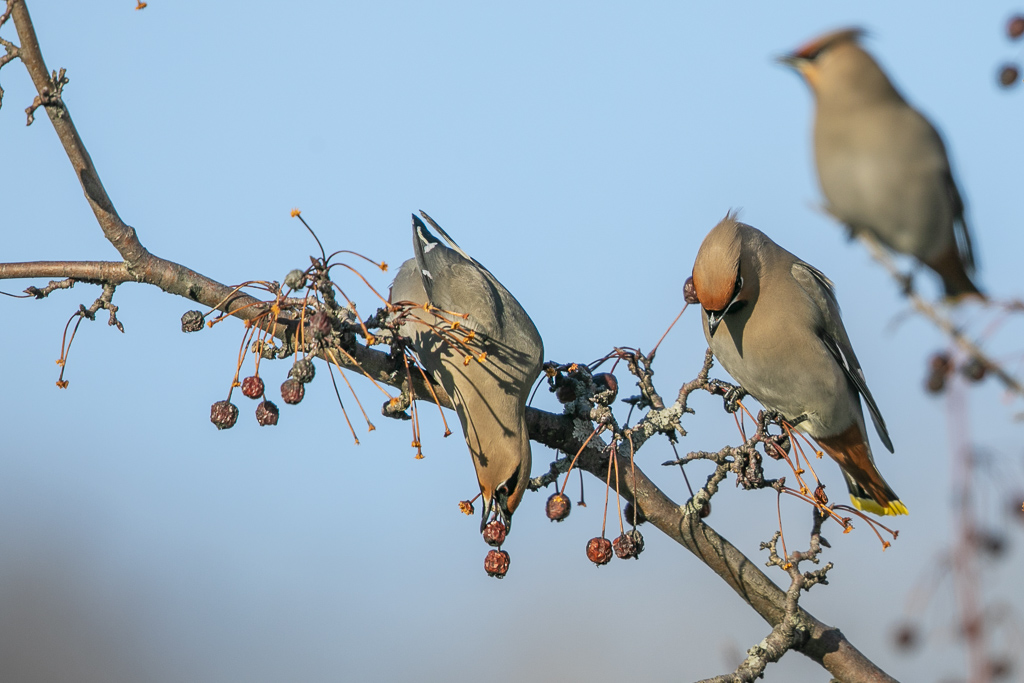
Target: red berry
x: 496, y: 563
x: 267, y: 413
x: 559, y: 507
x: 1009, y: 75
x: 905, y: 636
x: 252, y: 387
x: 1015, y: 27
x: 690, y: 292
x: 223, y: 414
x: 629, y: 545
x: 292, y: 391
x: 494, y: 533
x: 599, y: 551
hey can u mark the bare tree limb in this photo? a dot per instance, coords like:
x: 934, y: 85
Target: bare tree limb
x: 823, y: 643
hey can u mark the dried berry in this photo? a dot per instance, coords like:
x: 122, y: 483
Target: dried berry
x: 1000, y: 668
x: 1015, y: 27
x: 939, y: 367
x: 690, y: 292
x: 267, y: 413
x: 1009, y: 75
x: 629, y: 545
x: 494, y: 533
x: 565, y: 393
x: 559, y: 507
x: 292, y: 391
x: 605, y: 381
x: 496, y: 563
x: 320, y: 325
x: 974, y: 369
x: 905, y: 636
x: 599, y: 551
x: 223, y: 414
x: 192, y: 321
x: 819, y: 494
x: 989, y: 542
x: 295, y: 279
x: 303, y: 370
x: 633, y: 514
x: 252, y: 387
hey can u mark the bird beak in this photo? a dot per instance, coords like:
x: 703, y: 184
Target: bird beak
x: 792, y: 61
x: 714, y: 321
x: 499, y: 506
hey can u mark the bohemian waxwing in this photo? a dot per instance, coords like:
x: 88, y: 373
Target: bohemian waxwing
x: 773, y: 323
x: 882, y: 167
x: 490, y: 396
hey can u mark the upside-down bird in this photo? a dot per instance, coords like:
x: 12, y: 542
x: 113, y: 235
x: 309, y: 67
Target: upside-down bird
x: 773, y: 323
x: 882, y: 166
x: 462, y: 312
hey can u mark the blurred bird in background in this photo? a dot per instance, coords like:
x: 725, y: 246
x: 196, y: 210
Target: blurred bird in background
x: 881, y: 165
x: 490, y: 385
x: 773, y: 323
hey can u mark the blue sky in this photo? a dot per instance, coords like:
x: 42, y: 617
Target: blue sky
x: 581, y: 152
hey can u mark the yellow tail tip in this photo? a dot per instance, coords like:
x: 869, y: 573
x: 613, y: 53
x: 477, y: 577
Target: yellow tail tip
x: 895, y: 507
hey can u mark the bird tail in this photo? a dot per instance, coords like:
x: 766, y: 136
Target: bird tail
x: 862, y: 500
x: 956, y: 281
x: 868, y: 490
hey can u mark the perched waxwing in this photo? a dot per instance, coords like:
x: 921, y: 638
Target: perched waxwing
x: 881, y: 165
x: 773, y: 323
x: 504, y: 352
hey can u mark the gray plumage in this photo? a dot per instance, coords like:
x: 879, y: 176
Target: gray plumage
x: 774, y: 324
x: 490, y: 396
x: 882, y: 166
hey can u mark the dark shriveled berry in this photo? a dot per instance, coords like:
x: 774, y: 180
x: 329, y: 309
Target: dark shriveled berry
x: 320, y: 325
x: 1009, y: 75
x: 295, y: 279
x: 267, y: 414
x: 1015, y: 27
x: 633, y: 514
x: 192, y: 321
x: 496, y: 563
x: 629, y: 545
x: 599, y: 551
x: 494, y: 533
x: 303, y: 370
x: 905, y: 637
x: 292, y: 391
x: 223, y: 414
x: 559, y: 507
x: 565, y: 393
x: 690, y: 292
x: 975, y: 369
x: 939, y: 367
x: 252, y: 387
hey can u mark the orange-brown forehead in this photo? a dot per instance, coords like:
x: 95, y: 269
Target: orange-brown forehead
x: 714, y: 277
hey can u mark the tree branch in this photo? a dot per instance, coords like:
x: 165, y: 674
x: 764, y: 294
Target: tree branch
x: 824, y: 644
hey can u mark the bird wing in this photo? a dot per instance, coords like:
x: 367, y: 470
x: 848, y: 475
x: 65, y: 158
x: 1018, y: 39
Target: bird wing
x: 960, y: 229
x: 833, y: 335
x: 455, y: 282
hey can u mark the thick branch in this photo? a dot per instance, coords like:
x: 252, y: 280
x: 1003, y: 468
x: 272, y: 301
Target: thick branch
x: 825, y: 645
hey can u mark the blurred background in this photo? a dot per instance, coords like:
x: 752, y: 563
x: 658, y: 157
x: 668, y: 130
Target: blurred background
x: 581, y: 151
